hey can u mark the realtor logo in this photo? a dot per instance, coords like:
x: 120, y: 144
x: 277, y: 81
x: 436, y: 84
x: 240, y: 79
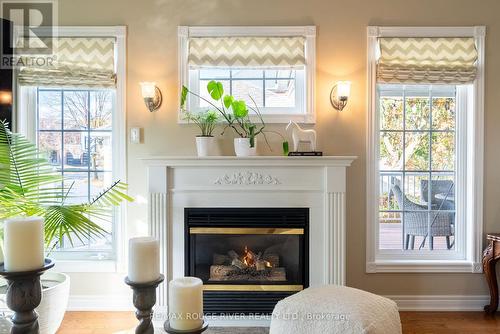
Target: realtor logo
x: 32, y: 29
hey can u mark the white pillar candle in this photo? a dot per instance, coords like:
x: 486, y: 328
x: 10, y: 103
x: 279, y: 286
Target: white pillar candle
x: 143, y: 260
x: 185, y: 303
x: 23, y: 244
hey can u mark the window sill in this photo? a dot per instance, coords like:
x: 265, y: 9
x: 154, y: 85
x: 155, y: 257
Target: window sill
x: 275, y: 119
x: 86, y: 266
x: 429, y: 266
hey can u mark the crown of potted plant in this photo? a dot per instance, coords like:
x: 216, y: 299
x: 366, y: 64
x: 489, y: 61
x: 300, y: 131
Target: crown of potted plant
x: 206, y: 121
x: 30, y: 187
x: 236, y: 115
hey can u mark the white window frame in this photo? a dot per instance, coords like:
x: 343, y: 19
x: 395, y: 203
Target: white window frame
x: 467, y: 259
x: 309, y: 32
x: 25, y: 123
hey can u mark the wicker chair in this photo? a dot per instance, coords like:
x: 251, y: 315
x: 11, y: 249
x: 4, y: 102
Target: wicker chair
x: 416, y: 221
x: 438, y: 187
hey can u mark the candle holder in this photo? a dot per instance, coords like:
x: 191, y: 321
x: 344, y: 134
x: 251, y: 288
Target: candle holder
x: 144, y: 299
x: 24, y: 294
x: 171, y: 330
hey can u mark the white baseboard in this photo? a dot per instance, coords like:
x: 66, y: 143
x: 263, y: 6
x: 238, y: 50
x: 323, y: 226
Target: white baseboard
x: 100, y: 303
x: 440, y: 302
x: 405, y: 303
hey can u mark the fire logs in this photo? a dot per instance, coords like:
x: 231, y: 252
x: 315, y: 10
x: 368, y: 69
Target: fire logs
x: 232, y: 273
x: 249, y: 266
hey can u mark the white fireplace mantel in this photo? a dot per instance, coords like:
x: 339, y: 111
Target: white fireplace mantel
x: 318, y: 183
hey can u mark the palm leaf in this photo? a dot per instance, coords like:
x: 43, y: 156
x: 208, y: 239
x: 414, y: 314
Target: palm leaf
x: 29, y: 186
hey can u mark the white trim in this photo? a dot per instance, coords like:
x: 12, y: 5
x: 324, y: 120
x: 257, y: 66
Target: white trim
x: 378, y: 261
x: 120, y: 133
x: 25, y: 95
x: 436, y: 266
x: 309, y: 32
x: 255, y: 161
x: 440, y: 302
x: 472, y: 31
x: 405, y: 303
x: 84, y: 31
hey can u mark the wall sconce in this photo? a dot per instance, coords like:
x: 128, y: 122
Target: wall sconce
x: 151, y: 95
x: 340, y: 94
x: 5, y: 97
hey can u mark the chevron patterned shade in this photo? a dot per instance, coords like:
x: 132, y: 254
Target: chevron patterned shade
x: 427, y: 60
x: 78, y: 62
x: 246, y: 51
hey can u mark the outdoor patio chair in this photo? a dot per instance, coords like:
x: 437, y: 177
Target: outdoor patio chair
x: 416, y: 221
x: 446, y: 187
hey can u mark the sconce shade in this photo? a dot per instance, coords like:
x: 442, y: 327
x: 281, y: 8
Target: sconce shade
x: 148, y: 89
x: 343, y: 89
x: 340, y: 94
x: 151, y: 95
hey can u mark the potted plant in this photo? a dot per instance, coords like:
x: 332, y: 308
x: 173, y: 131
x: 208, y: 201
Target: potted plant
x: 30, y: 187
x: 206, y: 122
x: 236, y: 115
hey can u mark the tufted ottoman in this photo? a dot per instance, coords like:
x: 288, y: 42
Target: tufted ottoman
x: 335, y: 309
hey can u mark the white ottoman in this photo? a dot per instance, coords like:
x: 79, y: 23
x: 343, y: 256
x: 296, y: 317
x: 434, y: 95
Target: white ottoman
x: 335, y: 309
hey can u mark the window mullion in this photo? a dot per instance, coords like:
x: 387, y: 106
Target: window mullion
x: 89, y: 158
x: 263, y: 88
x: 231, y: 82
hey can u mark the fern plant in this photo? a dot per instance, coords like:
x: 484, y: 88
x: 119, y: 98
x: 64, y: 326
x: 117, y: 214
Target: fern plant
x: 30, y: 187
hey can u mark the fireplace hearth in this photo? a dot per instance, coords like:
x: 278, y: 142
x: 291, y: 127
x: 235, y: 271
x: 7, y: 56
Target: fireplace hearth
x: 247, y: 258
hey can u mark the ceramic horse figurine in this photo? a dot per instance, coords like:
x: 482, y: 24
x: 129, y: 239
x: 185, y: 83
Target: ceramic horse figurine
x: 300, y: 135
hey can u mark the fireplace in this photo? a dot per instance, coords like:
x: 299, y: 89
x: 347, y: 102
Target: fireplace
x: 248, y: 258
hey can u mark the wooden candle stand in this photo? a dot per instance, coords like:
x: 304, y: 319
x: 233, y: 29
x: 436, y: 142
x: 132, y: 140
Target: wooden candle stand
x: 171, y: 330
x: 144, y: 299
x: 24, y: 294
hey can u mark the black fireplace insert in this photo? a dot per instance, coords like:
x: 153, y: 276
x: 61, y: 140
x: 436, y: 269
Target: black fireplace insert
x: 247, y: 258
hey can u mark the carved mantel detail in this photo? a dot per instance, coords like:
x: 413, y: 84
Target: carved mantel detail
x: 247, y: 178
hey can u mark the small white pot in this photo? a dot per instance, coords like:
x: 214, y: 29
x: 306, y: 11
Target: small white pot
x: 55, y: 296
x: 242, y: 147
x: 205, y: 146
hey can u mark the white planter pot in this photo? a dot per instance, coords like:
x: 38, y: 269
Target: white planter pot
x: 242, y: 147
x: 55, y: 296
x: 205, y: 146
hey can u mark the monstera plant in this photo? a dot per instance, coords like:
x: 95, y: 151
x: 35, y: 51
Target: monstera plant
x: 29, y: 186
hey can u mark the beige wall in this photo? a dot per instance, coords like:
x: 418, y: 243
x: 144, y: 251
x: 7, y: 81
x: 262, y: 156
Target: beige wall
x: 341, y: 54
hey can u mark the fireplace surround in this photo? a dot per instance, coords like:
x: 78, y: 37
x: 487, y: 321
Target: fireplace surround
x: 316, y: 184
x: 247, y: 258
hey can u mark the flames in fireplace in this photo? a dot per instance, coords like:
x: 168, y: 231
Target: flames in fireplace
x: 249, y: 266
x: 251, y: 260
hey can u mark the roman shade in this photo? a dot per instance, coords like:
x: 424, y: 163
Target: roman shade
x: 76, y: 62
x: 427, y: 60
x: 246, y: 51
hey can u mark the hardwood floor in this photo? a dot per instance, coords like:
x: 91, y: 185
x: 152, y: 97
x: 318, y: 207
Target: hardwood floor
x: 449, y: 322
x: 413, y: 323
x: 98, y: 323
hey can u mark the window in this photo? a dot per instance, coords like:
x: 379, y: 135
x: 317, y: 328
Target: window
x: 279, y: 80
x: 74, y: 127
x: 273, y: 91
x: 417, y: 162
x: 75, y: 113
x: 425, y: 150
